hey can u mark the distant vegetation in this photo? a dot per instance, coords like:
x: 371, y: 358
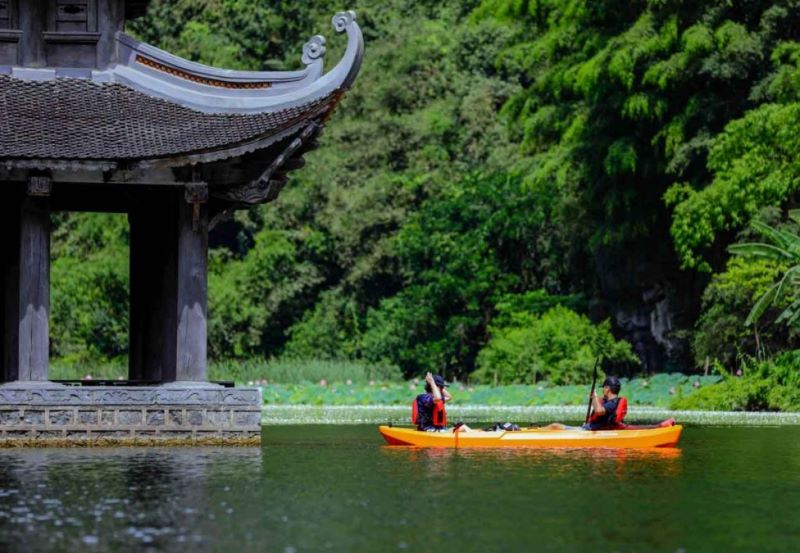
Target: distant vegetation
x: 506, y: 185
x: 663, y: 390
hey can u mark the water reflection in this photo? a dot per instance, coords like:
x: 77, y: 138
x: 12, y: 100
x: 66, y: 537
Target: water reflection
x: 113, y: 497
x: 624, y: 462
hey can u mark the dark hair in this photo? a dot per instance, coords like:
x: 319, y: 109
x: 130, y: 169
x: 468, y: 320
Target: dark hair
x: 428, y: 388
x: 613, y: 383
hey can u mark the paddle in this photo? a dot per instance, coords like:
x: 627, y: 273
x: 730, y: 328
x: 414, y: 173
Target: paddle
x: 594, y: 383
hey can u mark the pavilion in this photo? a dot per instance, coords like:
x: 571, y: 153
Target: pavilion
x: 93, y: 120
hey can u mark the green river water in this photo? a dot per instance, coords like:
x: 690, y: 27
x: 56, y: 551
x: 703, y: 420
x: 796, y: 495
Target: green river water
x: 338, y: 488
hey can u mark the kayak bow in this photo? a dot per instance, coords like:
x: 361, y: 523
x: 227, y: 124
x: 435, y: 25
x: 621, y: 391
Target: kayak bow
x: 534, y: 437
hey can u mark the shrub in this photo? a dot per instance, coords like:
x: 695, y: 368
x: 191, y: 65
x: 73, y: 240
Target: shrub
x: 559, y: 346
x: 772, y: 385
x: 732, y: 394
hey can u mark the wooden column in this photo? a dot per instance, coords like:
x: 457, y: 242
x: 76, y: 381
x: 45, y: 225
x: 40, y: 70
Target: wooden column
x: 26, y: 303
x: 192, y: 285
x: 169, y: 288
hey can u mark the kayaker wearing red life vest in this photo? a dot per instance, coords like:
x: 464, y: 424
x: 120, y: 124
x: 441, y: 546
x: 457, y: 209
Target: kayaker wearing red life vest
x: 605, y: 410
x: 428, y: 410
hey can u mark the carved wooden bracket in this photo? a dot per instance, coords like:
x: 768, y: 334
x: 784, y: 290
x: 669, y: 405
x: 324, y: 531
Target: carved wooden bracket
x: 39, y: 186
x: 265, y: 188
x: 196, y: 193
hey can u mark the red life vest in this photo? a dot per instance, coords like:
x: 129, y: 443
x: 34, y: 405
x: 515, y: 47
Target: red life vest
x: 622, y: 410
x: 439, y: 413
x: 619, y: 414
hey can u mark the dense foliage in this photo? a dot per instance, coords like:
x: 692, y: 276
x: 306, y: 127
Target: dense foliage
x: 577, y: 160
x: 772, y: 385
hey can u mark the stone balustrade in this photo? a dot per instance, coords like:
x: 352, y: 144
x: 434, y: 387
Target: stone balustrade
x: 88, y: 415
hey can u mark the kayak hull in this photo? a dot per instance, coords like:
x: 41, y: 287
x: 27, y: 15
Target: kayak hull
x: 535, y: 437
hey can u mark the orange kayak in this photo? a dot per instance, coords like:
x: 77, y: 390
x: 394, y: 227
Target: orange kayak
x: 534, y: 437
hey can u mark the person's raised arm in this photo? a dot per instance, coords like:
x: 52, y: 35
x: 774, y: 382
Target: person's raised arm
x: 437, y: 394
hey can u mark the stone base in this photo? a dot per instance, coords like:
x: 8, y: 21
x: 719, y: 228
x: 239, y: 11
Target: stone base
x: 110, y: 415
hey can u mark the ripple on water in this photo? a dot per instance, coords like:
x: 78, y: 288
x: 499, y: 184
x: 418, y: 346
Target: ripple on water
x: 109, y: 498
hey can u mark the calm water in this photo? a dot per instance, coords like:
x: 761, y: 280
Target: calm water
x: 338, y: 488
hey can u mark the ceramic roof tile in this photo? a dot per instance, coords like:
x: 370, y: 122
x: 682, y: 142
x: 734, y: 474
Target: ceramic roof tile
x: 79, y: 119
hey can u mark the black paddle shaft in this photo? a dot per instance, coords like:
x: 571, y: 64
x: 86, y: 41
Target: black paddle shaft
x: 594, y: 383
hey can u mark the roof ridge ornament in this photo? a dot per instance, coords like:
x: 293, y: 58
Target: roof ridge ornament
x: 314, y: 49
x: 342, y: 20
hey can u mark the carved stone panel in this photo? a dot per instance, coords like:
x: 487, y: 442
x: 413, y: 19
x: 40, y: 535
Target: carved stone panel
x: 120, y: 395
x: 102, y: 415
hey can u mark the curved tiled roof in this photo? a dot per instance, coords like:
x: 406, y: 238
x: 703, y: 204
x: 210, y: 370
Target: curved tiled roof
x: 80, y: 119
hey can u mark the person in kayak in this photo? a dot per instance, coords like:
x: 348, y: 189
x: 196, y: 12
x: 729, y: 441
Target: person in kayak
x: 604, y: 407
x: 428, y: 410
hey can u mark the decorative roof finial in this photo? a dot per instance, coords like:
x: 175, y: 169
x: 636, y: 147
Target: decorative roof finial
x: 342, y: 20
x: 314, y: 49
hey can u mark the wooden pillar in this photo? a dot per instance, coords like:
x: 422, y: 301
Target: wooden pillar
x: 26, y: 290
x: 192, y: 285
x: 169, y: 288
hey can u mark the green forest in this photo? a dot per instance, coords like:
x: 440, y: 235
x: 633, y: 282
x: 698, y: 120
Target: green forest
x: 510, y: 189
